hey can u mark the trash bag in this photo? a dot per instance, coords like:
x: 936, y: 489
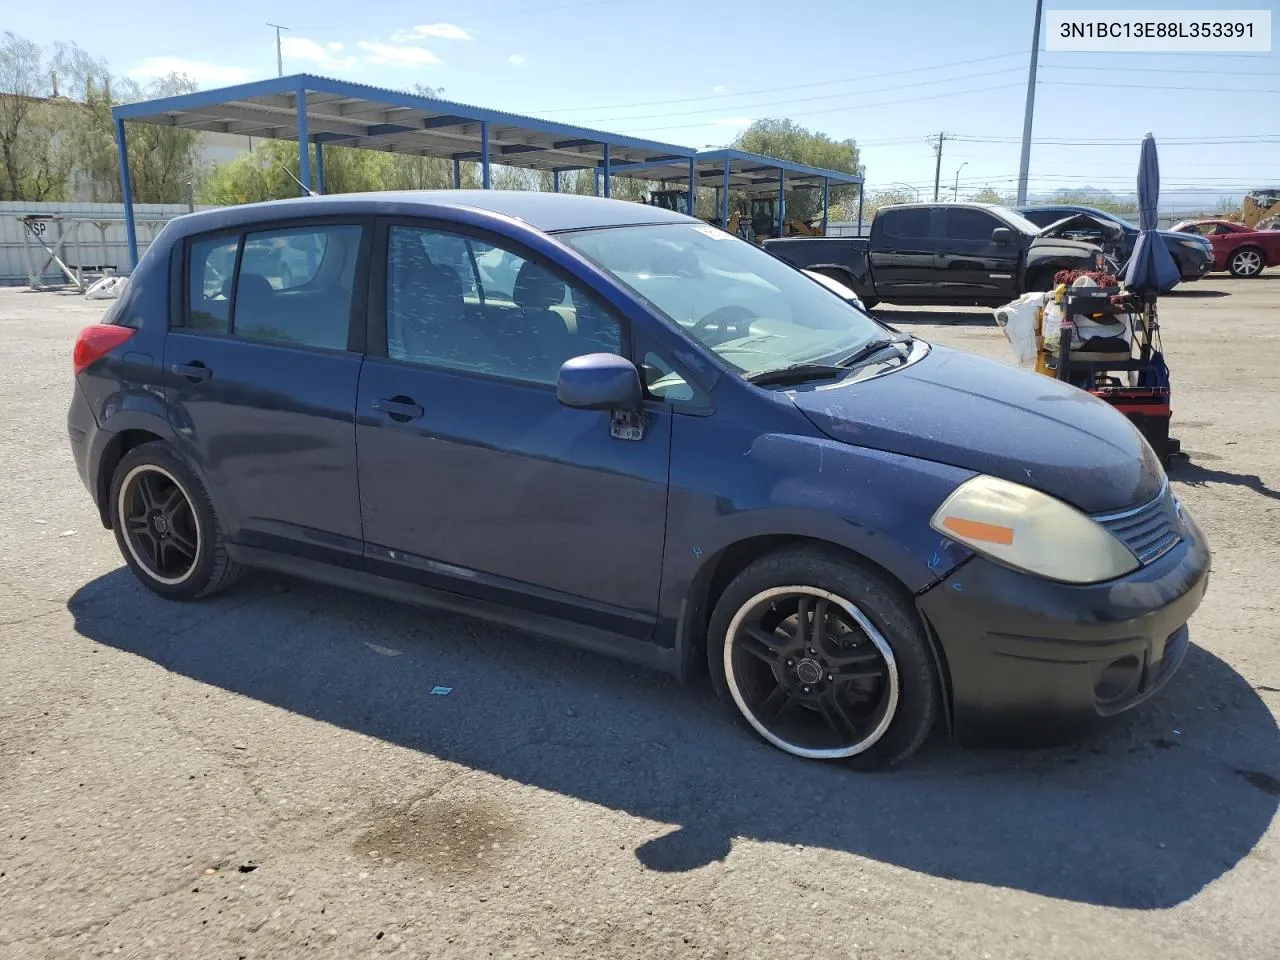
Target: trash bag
x: 1019, y: 320
x: 108, y: 288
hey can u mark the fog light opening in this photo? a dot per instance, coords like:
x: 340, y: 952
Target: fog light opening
x: 1119, y: 679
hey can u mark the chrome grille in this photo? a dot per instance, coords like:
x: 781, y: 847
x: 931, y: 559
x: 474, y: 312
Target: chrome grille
x: 1151, y: 530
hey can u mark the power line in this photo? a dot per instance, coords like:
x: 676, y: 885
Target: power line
x: 1147, y: 86
x: 798, y: 86
x: 849, y: 107
x: 783, y: 103
x: 1227, y: 73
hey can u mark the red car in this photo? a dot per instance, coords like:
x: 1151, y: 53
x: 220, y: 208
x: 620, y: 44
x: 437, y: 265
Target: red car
x: 1236, y: 248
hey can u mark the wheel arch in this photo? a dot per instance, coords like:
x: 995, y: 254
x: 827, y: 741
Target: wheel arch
x: 718, y: 571
x: 117, y: 446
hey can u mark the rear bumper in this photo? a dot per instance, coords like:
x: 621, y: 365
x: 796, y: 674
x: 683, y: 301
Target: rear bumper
x: 1029, y: 658
x: 81, y: 429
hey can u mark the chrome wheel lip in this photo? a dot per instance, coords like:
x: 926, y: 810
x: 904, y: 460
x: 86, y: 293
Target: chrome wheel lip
x: 126, y: 487
x: 872, y: 633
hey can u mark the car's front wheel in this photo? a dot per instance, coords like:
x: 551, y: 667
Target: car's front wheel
x: 824, y: 659
x: 166, y: 527
x: 1246, y: 262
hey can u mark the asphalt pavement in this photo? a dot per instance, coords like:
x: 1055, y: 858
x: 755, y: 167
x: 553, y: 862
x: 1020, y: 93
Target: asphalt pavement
x: 290, y: 770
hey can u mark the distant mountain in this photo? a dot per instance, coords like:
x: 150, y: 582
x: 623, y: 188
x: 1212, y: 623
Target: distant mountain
x: 1183, y: 198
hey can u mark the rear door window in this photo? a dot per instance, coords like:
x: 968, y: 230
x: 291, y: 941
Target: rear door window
x: 907, y: 224
x: 292, y: 286
x: 295, y: 286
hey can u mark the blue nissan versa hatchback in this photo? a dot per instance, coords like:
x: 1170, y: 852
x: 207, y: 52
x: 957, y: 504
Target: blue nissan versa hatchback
x: 614, y: 425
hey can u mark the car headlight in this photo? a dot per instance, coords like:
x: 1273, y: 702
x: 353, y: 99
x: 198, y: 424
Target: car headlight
x: 1031, y: 531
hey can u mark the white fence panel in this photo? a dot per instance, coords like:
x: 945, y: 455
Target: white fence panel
x: 99, y: 238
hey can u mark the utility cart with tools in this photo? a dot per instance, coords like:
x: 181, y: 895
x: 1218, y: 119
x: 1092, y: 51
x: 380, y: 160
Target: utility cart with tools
x: 1108, y: 343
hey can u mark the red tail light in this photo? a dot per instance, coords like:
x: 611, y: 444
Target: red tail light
x: 96, y: 341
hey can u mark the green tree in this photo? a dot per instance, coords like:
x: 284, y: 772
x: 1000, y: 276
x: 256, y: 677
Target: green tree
x: 22, y: 85
x: 991, y: 195
x: 787, y: 140
x: 885, y: 198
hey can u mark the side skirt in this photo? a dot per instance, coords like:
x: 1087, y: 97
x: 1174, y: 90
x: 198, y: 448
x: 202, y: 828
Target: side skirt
x: 583, y: 637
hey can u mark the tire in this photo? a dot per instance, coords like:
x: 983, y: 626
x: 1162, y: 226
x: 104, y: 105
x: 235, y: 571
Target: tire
x: 156, y: 498
x: 871, y: 636
x: 1246, y: 263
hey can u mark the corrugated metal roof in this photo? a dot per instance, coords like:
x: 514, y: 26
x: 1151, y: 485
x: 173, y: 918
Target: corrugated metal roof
x: 377, y: 118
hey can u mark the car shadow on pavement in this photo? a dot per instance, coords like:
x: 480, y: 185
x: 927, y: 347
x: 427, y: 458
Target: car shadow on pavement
x: 1188, y: 471
x: 1143, y: 816
x: 1187, y: 294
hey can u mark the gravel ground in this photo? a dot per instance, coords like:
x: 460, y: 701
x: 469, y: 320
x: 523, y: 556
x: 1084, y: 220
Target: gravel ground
x: 267, y: 775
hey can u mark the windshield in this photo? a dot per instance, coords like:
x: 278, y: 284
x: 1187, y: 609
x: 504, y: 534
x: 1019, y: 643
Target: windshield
x: 755, y: 311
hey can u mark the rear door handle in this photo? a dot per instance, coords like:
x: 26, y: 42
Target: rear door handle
x: 400, y: 409
x: 195, y: 371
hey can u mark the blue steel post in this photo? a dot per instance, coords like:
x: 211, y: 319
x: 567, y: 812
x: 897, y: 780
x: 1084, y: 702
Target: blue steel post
x: 555, y: 181
x: 126, y: 192
x: 457, y: 174
x: 862, y: 187
x: 304, y: 147
x: 484, y: 154
x: 606, y: 170
x: 826, y: 202
x: 693, y: 186
x: 320, y: 167
x: 724, y: 197
x: 596, y: 180
x: 782, y: 203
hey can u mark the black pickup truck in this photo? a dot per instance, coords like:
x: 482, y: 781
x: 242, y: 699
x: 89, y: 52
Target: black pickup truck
x: 952, y: 254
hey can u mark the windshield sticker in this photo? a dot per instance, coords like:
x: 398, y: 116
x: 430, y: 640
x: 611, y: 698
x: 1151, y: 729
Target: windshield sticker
x: 715, y: 233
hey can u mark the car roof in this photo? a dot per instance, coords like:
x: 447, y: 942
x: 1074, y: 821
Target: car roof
x: 548, y: 212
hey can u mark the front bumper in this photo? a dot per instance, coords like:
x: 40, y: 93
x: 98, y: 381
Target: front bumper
x: 1029, y: 658
x: 1194, y: 267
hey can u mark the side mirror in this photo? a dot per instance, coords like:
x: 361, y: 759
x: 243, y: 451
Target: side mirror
x: 1002, y: 236
x: 599, y: 381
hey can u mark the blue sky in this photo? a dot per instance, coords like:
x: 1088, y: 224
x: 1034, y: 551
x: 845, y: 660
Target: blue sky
x: 887, y: 74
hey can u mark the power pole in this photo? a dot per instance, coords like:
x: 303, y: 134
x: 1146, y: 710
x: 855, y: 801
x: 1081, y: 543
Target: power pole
x: 937, y: 170
x: 279, y: 54
x: 1024, y: 167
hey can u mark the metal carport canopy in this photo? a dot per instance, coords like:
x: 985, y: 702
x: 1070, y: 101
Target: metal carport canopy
x: 729, y: 169
x: 373, y: 118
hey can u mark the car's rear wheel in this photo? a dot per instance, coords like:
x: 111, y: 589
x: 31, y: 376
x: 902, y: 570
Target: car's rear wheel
x: 1246, y: 262
x: 166, y: 527
x: 824, y: 659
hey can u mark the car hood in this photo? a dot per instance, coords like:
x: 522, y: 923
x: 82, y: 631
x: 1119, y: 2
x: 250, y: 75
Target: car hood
x: 1040, y: 242
x: 982, y: 415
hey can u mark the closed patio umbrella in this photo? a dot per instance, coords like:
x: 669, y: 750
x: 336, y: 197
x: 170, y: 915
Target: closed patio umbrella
x: 1150, y: 270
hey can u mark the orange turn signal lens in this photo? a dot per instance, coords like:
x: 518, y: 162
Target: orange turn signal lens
x: 977, y: 530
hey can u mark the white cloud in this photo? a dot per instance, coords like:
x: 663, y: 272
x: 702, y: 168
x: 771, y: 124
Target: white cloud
x: 516, y: 58
x: 442, y: 31
x: 718, y: 88
x: 201, y: 71
x: 734, y: 122
x: 392, y: 55
x: 301, y: 48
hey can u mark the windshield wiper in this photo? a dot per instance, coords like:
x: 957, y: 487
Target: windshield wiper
x: 796, y: 373
x: 873, y: 348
